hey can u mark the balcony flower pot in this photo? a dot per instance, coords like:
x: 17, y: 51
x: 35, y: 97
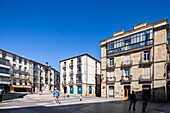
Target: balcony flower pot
x: 110, y: 77
x: 126, y: 76
x: 122, y: 76
x: 130, y: 76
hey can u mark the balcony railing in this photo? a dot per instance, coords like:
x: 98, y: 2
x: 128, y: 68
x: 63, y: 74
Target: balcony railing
x: 145, y: 78
x: 71, y: 82
x: 78, y: 63
x: 78, y: 81
x: 15, y: 69
x: 64, y: 66
x: 4, y: 62
x: 126, y: 63
x: 111, y: 67
x: 145, y: 62
x: 111, y: 79
x: 71, y: 73
x: 64, y: 74
x: 64, y: 82
x: 79, y: 73
x: 71, y: 65
x: 126, y: 78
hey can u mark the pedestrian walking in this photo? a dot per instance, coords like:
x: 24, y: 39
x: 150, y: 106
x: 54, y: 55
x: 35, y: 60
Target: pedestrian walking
x: 145, y: 101
x: 133, y: 100
x: 56, y: 95
x: 81, y: 98
x: 1, y: 94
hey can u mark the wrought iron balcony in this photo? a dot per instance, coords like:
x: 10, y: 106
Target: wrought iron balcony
x: 145, y: 78
x: 126, y: 64
x: 111, y: 79
x: 145, y: 62
x: 111, y: 67
x: 126, y: 79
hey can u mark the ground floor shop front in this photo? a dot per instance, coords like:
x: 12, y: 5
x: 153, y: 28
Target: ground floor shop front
x: 159, y: 92
x: 79, y: 89
x: 20, y: 88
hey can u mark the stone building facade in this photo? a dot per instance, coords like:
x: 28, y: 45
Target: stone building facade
x: 136, y: 60
x: 77, y: 75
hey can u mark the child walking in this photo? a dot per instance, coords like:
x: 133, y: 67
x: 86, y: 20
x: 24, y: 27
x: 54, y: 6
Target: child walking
x: 81, y: 97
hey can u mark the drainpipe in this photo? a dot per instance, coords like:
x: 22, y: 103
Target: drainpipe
x: 153, y: 97
x: 86, y: 74
x: 106, y: 70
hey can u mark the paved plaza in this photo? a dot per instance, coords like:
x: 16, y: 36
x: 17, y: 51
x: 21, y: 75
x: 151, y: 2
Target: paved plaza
x: 73, y: 105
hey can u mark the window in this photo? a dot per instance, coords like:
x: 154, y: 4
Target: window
x: 20, y: 68
x: 90, y: 89
x: 14, y: 58
x: 4, y: 70
x: 131, y: 42
x: 79, y: 58
x: 25, y: 69
x: 127, y: 72
x: 14, y: 82
x: 20, y: 60
x: 146, y: 55
x: 25, y: 82
x: 127, y: 42
x: 3, y: 54
x: 71, y: 61
x: 20, y: 74
x: 111, y: 61
x: 25, y: 62
x: 20, y: 82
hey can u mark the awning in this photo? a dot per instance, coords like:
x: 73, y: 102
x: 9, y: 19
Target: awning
x: 22, y: 86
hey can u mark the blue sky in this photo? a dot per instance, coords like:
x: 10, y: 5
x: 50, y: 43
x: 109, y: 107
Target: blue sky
x: 52, y: 30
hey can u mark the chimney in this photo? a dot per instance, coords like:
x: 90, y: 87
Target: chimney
x: 118, y: 33
x: 140, y: 25
x: 46, y: 63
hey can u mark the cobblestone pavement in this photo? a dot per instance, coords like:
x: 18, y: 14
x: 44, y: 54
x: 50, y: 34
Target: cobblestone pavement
x: 73, y: 105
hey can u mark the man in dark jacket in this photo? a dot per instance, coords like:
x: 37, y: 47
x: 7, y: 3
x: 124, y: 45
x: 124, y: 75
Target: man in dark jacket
x: 1, y: 94
x: 133, y: 100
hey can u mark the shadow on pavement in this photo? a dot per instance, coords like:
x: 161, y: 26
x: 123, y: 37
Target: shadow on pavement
x: 9, y: 96
x: 107, y: 107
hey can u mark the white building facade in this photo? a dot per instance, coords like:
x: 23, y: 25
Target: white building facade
x: 77, y: 75
x: 18, y: 74
x: 14, y: 72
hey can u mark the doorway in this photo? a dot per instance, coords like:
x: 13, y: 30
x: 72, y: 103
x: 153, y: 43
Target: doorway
x: 71, y: 90
x: 146, y: 89
x: 65, y: 89
x: 79, y: 89
x: 126, y: 92
x: 111, y: 91
x: 168, y: 91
